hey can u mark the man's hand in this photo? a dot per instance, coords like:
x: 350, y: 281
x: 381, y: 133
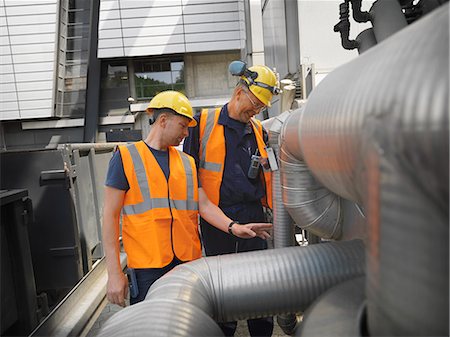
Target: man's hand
x: 117, y: 289
x: 251, y: 230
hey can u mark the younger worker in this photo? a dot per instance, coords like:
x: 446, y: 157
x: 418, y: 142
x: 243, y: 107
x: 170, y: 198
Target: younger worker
x: 155, y: 188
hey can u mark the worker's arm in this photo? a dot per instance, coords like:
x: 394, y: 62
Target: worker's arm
x: 218, y: 219
x: 117, y: 287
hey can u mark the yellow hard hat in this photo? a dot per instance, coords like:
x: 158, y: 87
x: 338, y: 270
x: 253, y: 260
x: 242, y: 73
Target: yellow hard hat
x: 175, y: 101
x: 262, y: 82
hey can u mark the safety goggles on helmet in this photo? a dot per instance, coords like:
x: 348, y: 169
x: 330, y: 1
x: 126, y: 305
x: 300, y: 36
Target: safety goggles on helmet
x: 252, y: 75
x: 260, y: 80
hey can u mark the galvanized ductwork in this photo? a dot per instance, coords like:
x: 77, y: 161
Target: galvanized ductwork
x: 337, y: 313
x: 375, y: 131
x: 283, y: 226
x: 239, y: 286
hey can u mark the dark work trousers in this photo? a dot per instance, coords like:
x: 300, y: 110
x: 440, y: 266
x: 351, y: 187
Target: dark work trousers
x: 217, y: 242
x: 147, y: 276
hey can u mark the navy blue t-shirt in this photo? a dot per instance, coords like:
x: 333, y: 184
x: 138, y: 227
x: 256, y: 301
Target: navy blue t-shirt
x: 116, y: 175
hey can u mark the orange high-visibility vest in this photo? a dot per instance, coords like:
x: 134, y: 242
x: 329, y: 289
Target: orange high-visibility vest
x: 159, y: 218
x: 212, y: 155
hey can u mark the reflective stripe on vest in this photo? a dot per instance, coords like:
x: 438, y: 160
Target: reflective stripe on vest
x: 212, y: 155
x: 150, y: 203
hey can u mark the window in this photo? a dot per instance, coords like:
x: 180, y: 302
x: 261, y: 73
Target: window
x: 154, y: 76
x: 114, y: 88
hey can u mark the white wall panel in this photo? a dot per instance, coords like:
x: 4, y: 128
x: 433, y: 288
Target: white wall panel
x: 6, y: 68
x: 9, y: 114
x: 112, y: 14
x: 211, y: 27
x: 34, y: 113
x: 9, y: 3
x: 10, y: 106
x: 210, y: 8
x: 37, y: 8
x: 35, y: 29
x: 5, y: 49
x: 36, y: 104
x: 30, y: 77
x: 109, y: 34
x: 33, y: 39
x: 152, y: 22
x: 33, y: 67
x: 34, y: 57
x: 110, y: 52
x: 148, y: 3
x: 110, y: 43
x: 155, y: 50
x: 5, y: 59
x: 218, y: 45
x: 107, y: 5
x: 153, y: 40
x: 158, y: 27
x: 215, y: 36
x: 213, y: 17
x: 27, y: 68
x: 150, y: 12
x: 31, y: 19
x: 7, y: 78
x: 8, y: 87
x: 8, y: 96
x: 153, y: 31
x: 194, y: 2
x: 35, y: 95
x: 38, y: 85
x: 33, y: 48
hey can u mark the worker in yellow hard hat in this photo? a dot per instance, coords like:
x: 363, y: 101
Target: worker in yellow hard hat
x: 155, y: 188
x: 229, y: 147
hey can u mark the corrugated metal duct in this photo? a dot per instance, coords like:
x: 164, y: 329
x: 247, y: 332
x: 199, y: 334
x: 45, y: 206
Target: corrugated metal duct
x: 238, y: 286
x: 375, y: 131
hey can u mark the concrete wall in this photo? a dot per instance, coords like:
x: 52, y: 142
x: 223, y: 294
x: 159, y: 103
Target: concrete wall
x: 206, y: 74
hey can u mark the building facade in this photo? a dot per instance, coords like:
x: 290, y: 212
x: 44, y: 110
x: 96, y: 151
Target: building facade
x: 83, y: 71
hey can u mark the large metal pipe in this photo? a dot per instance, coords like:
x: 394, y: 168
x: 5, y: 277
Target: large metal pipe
x: 312, y: 206
x: 283, y: 230
x: 375, y: 131
x: 240, y: 286
x: 337, y: 313
x: 283, y: 225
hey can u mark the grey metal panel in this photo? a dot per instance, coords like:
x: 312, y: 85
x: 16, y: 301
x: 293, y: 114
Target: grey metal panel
x: 274, y: 28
